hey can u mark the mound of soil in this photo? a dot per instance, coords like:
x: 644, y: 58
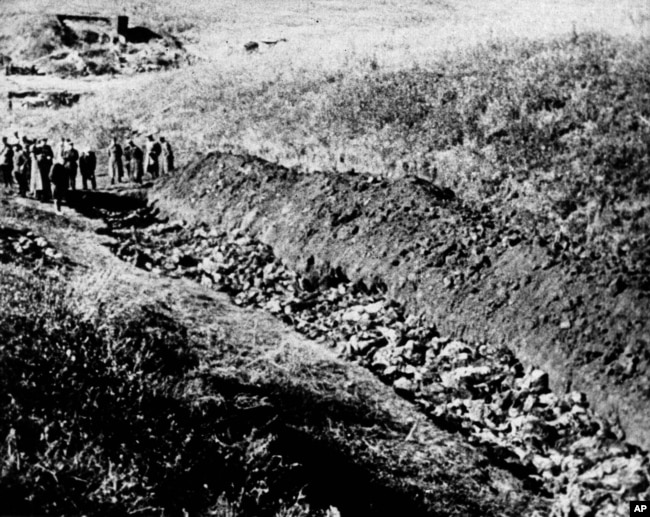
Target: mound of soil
x: 71, y: 48
x: 479, y: 272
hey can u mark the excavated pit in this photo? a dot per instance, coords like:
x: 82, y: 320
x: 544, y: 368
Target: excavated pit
x: 554, y: 443
x: 313, y: 427
x: 476, y: 274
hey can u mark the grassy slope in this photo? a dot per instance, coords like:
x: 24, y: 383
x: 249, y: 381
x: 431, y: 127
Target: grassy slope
x: 559, y: 130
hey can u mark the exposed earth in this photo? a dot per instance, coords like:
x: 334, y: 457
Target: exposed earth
x: 479, y: 272
x: 77, y: 46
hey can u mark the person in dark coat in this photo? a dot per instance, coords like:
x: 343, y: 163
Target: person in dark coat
x: 167, y: 161
x: 22, y: 165
x: 137, y: 162
x: 127, y: 161
x: 45, y: 157
x: 6, y: 163
x: 70, y: 162
x: 115, y: 161
x: 87, y: 166
x: 60, y: 182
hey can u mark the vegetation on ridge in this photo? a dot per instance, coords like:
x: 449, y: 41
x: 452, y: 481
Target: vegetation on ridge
x: 105, y: 417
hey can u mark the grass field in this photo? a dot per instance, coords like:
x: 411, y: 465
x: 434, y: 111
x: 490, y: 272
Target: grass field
x: 326, y: 41
x: 543, y: 106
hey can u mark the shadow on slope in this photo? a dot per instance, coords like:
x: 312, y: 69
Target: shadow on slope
x: 123, y: 413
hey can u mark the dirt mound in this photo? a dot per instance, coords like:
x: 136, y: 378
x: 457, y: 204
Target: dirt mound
x: 55, y: 45
x: 477, y: 272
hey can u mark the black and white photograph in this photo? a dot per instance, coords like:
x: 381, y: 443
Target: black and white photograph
x: 324, y: 258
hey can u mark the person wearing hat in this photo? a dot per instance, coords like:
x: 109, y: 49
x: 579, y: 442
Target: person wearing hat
x: 70, y: 162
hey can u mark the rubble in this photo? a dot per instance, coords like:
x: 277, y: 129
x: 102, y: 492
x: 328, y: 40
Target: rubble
x: 25, y: 247
x: 481, y: 391
x: 89, y: 45
x: 50, y: 99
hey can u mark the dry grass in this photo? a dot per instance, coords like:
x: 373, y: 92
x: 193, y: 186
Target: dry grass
x: 328, y: 35
x: 376, y: 88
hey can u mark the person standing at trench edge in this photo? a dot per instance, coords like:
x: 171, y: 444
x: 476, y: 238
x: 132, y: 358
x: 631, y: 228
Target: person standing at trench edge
x: 127, y: 161
x: 6, y: 163
x: 152, y: 153
x: 137, y: 162
x: 115, y: 161
x: 45, y: 156
x: 60, y: 182
x: 70, y: 162
x: 167, y: 162
x: 87, y: 165
x: 35, y: 182
x: 22, y: 164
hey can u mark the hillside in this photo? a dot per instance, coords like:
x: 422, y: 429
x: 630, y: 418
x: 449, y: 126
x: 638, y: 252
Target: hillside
x: 402, y: 267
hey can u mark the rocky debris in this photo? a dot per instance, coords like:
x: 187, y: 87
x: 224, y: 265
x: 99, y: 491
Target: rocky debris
x: 534, y: 283
x: 251, y: 46
x: 254, y: 46
x: 12, y: 69
x: 73, y: 47
x: 24, y: 247
x: 151, y: 57
x: 113, y: 59
x: 50, y: 99
x: 554, y: 441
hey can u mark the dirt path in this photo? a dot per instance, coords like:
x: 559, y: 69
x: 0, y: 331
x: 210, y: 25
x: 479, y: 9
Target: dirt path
x: 398, y: 459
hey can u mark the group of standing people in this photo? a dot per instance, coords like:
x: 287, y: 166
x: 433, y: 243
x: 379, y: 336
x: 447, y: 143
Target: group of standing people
x: 44, y: 173
x: 131, y: 161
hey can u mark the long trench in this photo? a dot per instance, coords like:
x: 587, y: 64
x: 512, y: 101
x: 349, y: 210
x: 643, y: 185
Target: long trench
x: 555, y: 443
